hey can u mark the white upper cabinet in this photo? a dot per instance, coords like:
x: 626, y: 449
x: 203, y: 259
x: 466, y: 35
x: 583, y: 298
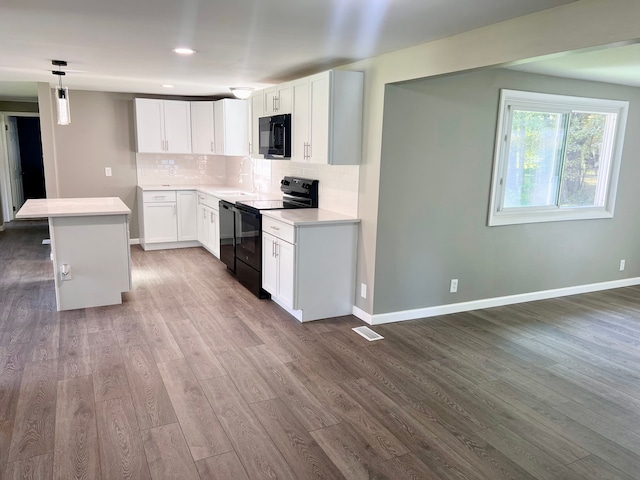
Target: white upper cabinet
x: 327, y: 118
x: 163, y: 126
x: 277, y: 99
x: 202, y: 132
x: 257, y: 111
x: 230, y: 127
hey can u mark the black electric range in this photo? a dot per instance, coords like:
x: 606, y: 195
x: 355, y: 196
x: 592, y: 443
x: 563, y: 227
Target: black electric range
x: 241, y: 229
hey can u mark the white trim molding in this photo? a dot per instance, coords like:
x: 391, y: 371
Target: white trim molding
x: 404, y: 315
x: 134, y: 241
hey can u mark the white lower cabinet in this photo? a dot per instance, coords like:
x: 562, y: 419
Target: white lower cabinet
x: 160, y: 222
x: 278, y: 268
x: 209, y: 223
x: 187, y: 225
x: 167, y: 219
x: 309, y: 269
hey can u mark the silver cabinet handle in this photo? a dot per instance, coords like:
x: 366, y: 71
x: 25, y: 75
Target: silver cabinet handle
x: 275, y: 228
x: 175, y: 210
x: 212, y: 146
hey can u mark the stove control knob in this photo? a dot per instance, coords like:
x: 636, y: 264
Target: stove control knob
x: 285, y: 182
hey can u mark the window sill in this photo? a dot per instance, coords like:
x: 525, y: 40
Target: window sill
x: 499, y: 219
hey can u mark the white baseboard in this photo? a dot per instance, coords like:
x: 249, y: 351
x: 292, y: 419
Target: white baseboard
x: 134, y: 241
x: 401, y: 316
x: 362, y: 315
x: 1, y: 228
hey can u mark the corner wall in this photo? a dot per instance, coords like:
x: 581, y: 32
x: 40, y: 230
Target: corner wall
x: 101, y: 134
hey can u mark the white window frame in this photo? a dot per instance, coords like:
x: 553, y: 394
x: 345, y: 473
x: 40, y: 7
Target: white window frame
x: 552, y: 103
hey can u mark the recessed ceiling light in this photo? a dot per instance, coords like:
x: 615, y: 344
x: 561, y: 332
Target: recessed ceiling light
x: 166, y: 85
x: 184, y: 51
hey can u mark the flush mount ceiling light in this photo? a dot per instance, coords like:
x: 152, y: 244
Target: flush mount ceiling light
x: 184, y: 51
x: 62, y: 94
x: 242, y: 92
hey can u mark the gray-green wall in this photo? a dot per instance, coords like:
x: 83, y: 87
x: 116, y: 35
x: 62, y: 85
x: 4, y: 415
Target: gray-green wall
x: 101, y: 134
x: 435, y: 179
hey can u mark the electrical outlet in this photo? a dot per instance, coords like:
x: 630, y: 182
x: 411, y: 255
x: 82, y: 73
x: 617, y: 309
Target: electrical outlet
x: 622, y: 264
x: 107, y: 171
x: 453, y: 288
x: 363, y: 290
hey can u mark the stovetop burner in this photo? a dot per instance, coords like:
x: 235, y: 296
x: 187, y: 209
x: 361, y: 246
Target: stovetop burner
x: 271, y: 204
x: 297, y: 193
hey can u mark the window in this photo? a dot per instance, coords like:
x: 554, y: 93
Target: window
x: 556, y: 158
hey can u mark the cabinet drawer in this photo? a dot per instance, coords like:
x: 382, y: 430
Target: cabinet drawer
x: 208, y: 200
x: 278, y: 229
x: 159, y: 196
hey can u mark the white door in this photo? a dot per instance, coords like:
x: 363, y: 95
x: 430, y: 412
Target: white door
x: 283, y: 102
x: 187, y: 221
x: 160, y: 223
x: 269, y: 264
x: 15, y: 167
x: 214, y: 233
x: 177, y: 126
x: 286, y: 275
x: 300, y: 121
x: 257, y: 111
x: 202, y: 128
x: 318, y: 151
x: 149, y: 125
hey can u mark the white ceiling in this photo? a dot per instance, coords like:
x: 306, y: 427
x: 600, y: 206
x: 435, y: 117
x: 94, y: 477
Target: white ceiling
x: 125, y: 45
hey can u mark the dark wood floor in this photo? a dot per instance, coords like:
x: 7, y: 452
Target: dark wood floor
x: 192, y: 377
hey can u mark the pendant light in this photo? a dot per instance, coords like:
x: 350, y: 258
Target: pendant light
x: 62, y: 95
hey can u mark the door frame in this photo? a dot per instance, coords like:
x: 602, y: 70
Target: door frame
x: 6, y: 197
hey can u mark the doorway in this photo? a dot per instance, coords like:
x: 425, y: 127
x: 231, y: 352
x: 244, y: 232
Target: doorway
x: 24, y: 162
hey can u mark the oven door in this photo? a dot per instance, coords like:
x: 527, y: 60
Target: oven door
x: 249, y: 237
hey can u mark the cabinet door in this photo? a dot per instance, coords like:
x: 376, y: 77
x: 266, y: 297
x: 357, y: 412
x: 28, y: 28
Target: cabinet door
x: 177, y: 126
x: 285, y: 95
x: 257, y: 111
x: 149, y: 125
x: 285, y: 254
x: 269, y: 264
x: 270, y: 97
x: 300, y: 121
x: 319, y: 92
x: 230, y: 127
x: 201, y: 222
x: 187, y: 222
x: 160, y: 222
x: 202, y: 128
x: 214, y: 232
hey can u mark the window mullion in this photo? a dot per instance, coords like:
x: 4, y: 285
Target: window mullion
x: 563, y: 154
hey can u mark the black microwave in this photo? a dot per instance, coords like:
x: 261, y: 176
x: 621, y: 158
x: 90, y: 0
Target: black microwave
x: 275, y: 136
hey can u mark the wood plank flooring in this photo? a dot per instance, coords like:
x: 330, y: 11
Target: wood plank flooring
x: 194, y: 378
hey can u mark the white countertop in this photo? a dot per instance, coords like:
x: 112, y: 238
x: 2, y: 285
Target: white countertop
x: 308, y: 216
x: 72, y: 207
x: 231, y: 194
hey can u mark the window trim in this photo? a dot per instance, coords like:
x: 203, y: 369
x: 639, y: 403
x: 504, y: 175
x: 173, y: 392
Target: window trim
x: 555, y: 103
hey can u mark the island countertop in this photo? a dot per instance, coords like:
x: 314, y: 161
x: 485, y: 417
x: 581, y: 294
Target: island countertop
x: 72, y: 207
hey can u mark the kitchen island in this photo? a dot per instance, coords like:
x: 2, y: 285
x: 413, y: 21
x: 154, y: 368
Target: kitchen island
x: 89, y: 248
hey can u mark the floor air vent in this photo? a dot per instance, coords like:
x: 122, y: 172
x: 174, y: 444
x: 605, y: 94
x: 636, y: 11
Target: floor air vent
x: 367, y: 333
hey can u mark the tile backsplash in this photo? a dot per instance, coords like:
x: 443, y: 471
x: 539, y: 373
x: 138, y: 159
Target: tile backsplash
x: 161, y: 169
x: 338, y: 190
